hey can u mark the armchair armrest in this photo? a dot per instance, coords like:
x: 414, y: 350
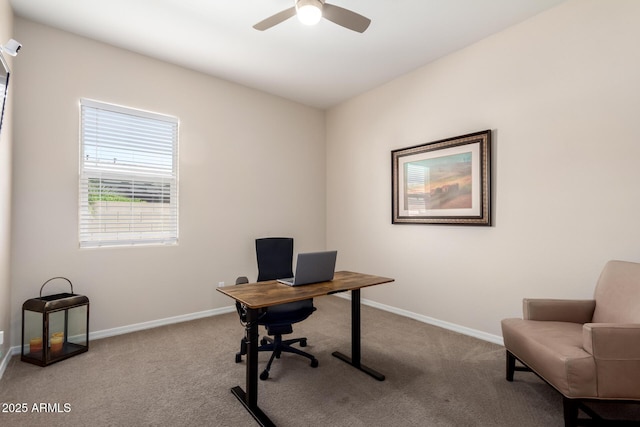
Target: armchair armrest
x: 612, y: 341
x: 558, y: 310
x: 616, y: 352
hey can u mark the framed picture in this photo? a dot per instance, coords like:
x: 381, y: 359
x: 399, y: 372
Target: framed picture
x: 443, y: 182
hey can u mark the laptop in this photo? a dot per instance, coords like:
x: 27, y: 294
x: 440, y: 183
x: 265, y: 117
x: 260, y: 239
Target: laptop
x: 313, y: 267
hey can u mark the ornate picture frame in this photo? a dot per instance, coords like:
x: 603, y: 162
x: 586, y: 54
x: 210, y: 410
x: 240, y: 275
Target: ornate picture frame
x: 443, y: 182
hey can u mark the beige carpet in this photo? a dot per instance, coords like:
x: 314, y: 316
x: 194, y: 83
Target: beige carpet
x: 181, y: 375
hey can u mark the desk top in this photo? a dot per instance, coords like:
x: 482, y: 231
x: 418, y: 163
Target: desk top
x: 268, y: 293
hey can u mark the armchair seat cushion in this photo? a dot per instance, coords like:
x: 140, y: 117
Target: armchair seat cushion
x: 554, y: 351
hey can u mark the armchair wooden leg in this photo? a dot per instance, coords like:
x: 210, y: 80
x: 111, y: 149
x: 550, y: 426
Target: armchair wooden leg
x: 511, y: 365
x: 570, y: 407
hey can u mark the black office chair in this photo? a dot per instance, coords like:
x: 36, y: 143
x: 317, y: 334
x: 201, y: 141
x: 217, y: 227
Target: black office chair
x: 275, y: 258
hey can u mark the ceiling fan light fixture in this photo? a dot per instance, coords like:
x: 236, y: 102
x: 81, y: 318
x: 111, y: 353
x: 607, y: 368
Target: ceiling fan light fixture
x: 309, y: 11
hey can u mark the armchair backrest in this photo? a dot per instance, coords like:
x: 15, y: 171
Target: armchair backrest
x: 617, y: 293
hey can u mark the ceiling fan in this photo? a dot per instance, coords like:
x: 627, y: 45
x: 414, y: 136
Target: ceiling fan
x: 311, y: 11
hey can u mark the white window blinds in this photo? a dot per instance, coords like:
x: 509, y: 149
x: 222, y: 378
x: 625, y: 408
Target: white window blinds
x: 128, y: 176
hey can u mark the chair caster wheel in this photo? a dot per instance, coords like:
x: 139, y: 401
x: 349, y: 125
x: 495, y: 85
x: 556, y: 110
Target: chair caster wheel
x: 314, y: 363
x: 264, y: 375
x: 303, y: 343
x: 263, y: 341
x: 238, y: 358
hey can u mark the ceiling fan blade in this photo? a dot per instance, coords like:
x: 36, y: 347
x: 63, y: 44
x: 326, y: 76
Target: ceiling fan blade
x: 275, y: 19
x: 345, y: 18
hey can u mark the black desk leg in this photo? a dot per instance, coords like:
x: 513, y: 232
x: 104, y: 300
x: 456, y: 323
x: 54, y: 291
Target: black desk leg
x: 250, y: 398
x: 354, y: 360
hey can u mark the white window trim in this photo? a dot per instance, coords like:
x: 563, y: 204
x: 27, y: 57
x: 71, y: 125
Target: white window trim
x: 127, y: 173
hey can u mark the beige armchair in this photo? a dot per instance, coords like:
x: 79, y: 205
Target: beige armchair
x: 585, y: 349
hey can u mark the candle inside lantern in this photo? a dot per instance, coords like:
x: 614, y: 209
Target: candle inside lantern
x: 35, y: 345
x: 56, y: 342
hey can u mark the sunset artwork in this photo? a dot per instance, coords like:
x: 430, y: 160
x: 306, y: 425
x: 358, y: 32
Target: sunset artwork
x: 443, y: 182
x: 438, y: 183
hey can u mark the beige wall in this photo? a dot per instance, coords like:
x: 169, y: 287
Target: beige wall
x: 6, y: 142
x: 243, y: 155
x: 562, y: 95
x: 560, y: 92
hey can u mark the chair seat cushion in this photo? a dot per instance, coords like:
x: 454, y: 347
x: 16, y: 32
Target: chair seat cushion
x: 287, y: 314
x: 554, y: 351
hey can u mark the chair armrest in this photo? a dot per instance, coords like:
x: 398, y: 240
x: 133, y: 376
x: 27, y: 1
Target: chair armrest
x: 612, y: 341
x: 558, y: 310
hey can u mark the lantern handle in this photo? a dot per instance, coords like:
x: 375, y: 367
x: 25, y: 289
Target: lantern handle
x: 53, y: 278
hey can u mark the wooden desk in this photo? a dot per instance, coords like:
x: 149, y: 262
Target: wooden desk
x: 264, y: 294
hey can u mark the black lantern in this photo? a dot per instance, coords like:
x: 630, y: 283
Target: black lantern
x: 54, y: 327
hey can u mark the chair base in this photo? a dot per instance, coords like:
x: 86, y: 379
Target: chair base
x: 277, y: 346
x: 571, y: 407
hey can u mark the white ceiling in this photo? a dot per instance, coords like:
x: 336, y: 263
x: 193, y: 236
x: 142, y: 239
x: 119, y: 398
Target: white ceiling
x: 319, y: 66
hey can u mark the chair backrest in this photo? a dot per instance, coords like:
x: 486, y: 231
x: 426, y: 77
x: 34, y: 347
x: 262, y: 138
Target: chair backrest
x: 275, y: 258
x: 275, y: 261
x: 617, y: 293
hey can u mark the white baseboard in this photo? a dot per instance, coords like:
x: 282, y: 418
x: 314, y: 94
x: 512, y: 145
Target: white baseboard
x: 5, y: 361
x: 214, y: 312
x: 96, y: 335
x: 496, y: 339
x: 160, y: 322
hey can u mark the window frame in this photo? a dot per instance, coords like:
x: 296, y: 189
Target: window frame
x: 134, y: 174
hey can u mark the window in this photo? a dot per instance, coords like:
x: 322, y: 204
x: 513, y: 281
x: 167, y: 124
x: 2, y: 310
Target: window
x: 128, y: 176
